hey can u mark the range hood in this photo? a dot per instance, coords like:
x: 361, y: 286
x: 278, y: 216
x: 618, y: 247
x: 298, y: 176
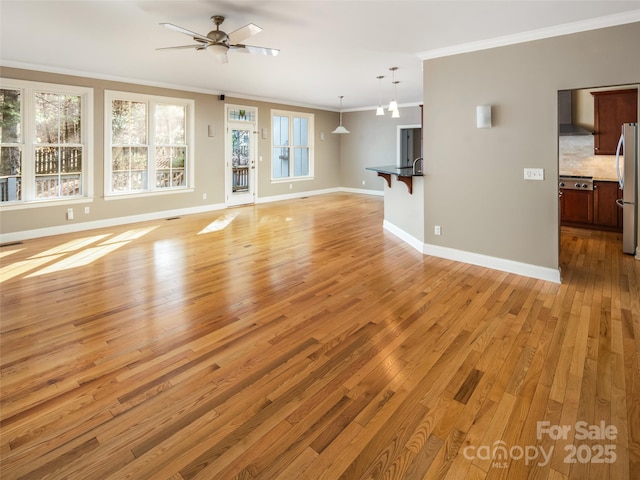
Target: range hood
x: 566, y: 126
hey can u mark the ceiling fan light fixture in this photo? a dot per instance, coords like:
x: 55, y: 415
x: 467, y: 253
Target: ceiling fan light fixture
x: 218, y: 43
x: 217, y: 49
x: 340, y: 128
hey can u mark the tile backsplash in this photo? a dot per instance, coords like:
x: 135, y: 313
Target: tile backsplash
x: 575, y: 147
x: 576, y: 158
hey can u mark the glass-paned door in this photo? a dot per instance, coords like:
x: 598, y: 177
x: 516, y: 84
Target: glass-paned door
x: 240, y: 159
x: 240, y: 154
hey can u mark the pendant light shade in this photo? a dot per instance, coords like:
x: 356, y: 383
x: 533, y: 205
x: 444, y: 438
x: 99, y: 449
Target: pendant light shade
x: 380, y: 109
x: 340, y: 128
x: 393, y: 105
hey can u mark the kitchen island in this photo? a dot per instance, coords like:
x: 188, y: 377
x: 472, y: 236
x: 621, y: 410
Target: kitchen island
x: 403, y: 174
x: 403, y: 207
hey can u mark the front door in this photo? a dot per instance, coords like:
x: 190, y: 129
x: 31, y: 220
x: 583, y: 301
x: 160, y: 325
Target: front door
x: 240, y: 165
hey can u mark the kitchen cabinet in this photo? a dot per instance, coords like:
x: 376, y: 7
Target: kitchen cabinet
x: 592, y: 208
x: 576, y: 206
x: 605, y: 211
x: 611, y: 109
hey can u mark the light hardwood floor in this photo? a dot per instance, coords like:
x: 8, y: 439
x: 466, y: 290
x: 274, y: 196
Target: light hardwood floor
x: 300, y: 340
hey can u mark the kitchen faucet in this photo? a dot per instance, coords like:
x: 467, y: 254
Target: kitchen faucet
x: 415, y: 162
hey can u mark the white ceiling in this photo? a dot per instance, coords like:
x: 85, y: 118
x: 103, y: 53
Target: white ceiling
x: 327, y: 47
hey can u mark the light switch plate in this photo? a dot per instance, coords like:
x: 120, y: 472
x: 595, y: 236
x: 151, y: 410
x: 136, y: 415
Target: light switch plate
x: 534, y: 173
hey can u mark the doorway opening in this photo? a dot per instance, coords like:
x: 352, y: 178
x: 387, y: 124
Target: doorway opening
x: 240, y: 154
x: 589, y: 127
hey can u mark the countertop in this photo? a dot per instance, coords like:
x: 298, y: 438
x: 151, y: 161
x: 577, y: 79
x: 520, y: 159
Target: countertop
x: 395, y: 170
x: 600, y: 167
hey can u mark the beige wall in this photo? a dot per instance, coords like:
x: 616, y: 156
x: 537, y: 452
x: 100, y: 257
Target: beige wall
x: 372, y: 142
x: 209, y: 159
x: 474, y: 185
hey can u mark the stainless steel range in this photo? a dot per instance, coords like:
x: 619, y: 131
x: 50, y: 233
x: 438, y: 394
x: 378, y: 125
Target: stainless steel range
x: 575, y: 182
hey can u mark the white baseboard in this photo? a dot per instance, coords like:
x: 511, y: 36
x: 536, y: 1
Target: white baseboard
x: 109, y: 222
x: 291, y: 196
x: 379, y: 193
x: 495, y: 263
x: 402, y: 235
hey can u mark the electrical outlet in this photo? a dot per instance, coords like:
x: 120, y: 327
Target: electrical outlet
x: 86, y: 210
x: 437, y: 230
x: 69, y: 213
x: 363, y: 182
x: 291, y: 186
x: 204, y: 196
x: 534, y: 173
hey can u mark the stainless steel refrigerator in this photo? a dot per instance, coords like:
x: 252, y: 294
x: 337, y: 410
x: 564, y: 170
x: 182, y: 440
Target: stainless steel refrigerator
x: 627, y: 155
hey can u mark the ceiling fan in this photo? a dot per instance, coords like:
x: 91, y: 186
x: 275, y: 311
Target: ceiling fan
x: 219, y: 42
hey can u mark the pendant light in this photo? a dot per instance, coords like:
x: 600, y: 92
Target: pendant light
x: 340, y: 128
x: 396, y: 112
x: 380, y: 109
x: 393, y: 105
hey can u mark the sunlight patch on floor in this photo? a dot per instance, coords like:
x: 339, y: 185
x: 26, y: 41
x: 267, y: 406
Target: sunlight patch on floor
x: 6, y: 253
x: 80, y: 250
x: 219, y: 223
x: 80, y: 259
x: 18, y: 268
x: 71, y: 246
x: 91, y: 254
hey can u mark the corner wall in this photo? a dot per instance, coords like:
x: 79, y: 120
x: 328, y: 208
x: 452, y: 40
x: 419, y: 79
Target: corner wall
x: 474, y: 187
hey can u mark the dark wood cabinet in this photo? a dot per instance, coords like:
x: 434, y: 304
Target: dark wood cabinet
x: 576, y: 206
x: 611, y: 109
x: 606, y: 213
x: 592, y: 209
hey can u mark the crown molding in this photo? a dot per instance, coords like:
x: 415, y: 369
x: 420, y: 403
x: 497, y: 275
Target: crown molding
x: 631, y: 16
x: 146, y: 83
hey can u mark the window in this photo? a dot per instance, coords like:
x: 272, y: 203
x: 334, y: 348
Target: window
x: 46, y: 142
x: 292, y: 145
x: 149, y: 143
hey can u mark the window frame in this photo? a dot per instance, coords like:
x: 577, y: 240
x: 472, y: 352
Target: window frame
x: 310, y: 117
x: 27, y: 143
x: 150, y: 101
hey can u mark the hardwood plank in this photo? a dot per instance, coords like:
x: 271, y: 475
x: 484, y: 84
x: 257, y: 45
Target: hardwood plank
x: 303, y: 341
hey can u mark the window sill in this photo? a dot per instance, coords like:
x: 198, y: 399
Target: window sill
x: 125, y: 196
x: 44, y: 203
x: 291, y: 179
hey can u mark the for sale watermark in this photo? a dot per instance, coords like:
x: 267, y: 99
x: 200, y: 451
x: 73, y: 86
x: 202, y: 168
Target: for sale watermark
x: 600, y: 449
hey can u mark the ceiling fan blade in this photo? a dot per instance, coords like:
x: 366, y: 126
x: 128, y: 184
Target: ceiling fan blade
x: 253, y: 49
x: 197, y: 46
x: 195, y: 35
x: 241, y: 34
